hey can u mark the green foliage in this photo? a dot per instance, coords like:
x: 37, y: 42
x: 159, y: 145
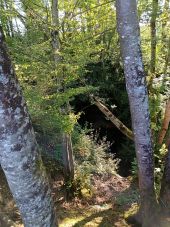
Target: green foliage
x: 134, y: 168
x: 91, y: 157
x: 89, y: 63
x: 159, y: 167
x: 127, y: 152
x: 158, y: 95
x: 33, y: 55
x: 130, y: 198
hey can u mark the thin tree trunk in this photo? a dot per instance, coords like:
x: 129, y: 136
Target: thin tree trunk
x: 19, y: 156
x: 128, y: 28
x: 68, y: 157
x: 165, y: 123
x: 127, y: 132
x: 66, y: 138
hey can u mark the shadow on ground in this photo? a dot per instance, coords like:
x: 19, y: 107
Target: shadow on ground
x: 112, y: 199
x: 108, y: 208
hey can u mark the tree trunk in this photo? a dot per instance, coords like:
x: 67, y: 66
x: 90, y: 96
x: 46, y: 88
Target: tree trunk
x: 68, y: 161
x: 19, y: 156
x: 128, y: 28
x: 67, y: 151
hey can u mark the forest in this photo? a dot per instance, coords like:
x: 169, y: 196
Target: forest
x: 84, y: 113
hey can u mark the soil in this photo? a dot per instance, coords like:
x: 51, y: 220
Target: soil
x: 105, y: 205
x: 110, y: 201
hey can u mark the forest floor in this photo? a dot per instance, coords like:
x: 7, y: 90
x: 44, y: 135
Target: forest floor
x: 112, y: 199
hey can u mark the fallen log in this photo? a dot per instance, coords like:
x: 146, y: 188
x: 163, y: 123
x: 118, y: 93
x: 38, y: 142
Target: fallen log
x: 126, y: 131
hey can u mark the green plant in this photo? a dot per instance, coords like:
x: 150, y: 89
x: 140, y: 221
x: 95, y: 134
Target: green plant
x: 134, y: 167
x: 159, y: 166
x: 91, y: 157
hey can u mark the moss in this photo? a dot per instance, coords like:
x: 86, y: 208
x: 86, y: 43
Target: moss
x: 133, y: 210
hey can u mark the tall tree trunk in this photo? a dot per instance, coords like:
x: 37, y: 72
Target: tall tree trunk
x: 128, y: 29
x: 67, y: 150
x: 19, y: 156
x: 153, y: 35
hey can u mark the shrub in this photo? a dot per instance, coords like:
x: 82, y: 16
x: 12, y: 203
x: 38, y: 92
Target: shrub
x: 91, y: 157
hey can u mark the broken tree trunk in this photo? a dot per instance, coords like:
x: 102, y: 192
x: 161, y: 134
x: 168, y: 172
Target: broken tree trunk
x: 68, y: 160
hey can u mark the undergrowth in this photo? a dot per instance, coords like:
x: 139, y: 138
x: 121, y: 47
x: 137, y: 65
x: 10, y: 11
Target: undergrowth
x: 91, y: 157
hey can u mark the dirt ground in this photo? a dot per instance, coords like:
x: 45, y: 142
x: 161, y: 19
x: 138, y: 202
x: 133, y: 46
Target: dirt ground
x: 112, y: 197
x: 106, y: 206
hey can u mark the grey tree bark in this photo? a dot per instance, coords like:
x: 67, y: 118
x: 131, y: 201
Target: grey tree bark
x: 19, y: 156
x: 128, y: 29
